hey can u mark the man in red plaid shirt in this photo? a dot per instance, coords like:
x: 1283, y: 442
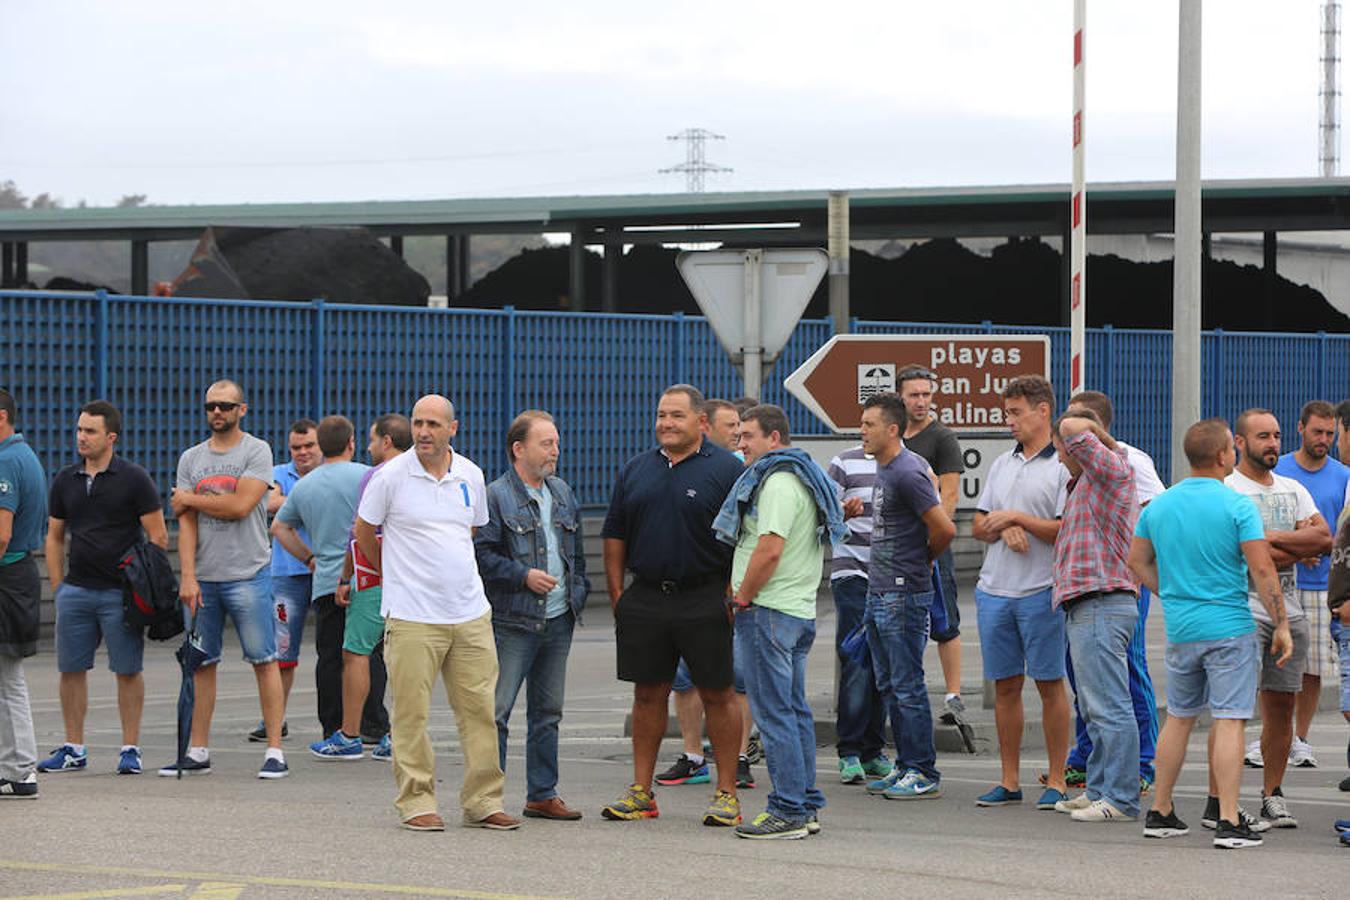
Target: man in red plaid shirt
x: 1094, y: 585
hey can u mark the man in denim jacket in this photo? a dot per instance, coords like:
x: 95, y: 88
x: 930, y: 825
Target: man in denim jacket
x: 533, y: 566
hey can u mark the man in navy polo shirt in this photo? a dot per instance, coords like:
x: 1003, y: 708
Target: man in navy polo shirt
x: 659, y: 527
x: 23, y: 512
x: 104, y: 502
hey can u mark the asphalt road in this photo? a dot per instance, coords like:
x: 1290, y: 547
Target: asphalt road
x: 330, y: 828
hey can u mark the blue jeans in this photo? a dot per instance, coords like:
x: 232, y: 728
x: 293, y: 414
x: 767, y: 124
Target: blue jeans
x: 775, y: 646
x: 249, y: 603
x: 1341, y: 635
x: 1142, y: 697
x: 541, y: 658
x: 292, y: 594
x: 1099, y: 632
x: 897, y: 630
x: 860, y: 711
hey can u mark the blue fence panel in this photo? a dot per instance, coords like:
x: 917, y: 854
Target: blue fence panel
x: 49, y: 362
x: 164, y: 352
x: 599, y: 374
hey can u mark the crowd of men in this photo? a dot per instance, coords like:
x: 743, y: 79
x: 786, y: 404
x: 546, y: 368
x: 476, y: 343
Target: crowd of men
x: 714, y: 546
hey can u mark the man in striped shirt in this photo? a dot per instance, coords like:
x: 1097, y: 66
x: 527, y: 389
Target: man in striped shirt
x: 860, y: 709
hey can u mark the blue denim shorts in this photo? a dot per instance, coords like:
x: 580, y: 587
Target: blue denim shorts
x: 291, y: 594
x: 83, y: 616
x: 1219, y: 676
x: 249, y: 604
x: 1341, y: 635
x: 1021, y: 636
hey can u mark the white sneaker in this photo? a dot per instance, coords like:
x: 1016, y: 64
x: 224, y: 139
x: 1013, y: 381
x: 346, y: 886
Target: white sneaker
x: 1100, y: 811
x: 1253, y: 757
x: 1077, y: 803
x: 1301, y: 755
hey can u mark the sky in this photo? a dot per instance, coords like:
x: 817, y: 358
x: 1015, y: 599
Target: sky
x: 264, y: 102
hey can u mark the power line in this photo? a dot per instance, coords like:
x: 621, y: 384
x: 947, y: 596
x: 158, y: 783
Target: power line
x: 695, y: 165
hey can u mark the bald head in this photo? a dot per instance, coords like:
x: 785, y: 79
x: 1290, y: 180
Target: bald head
x: 435, y: 403
x: 226, y: 389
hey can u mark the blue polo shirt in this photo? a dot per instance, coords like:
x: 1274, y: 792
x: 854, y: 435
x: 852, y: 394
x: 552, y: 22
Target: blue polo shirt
x: 23, y: 491
x: 1327, y: 486
x: 285, y: 477
x: 664, y: 514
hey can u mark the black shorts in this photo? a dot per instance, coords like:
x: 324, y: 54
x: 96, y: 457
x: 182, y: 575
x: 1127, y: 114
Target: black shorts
x: 653, y: 629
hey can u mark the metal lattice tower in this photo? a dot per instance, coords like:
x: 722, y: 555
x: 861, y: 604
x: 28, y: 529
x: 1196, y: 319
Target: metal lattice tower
x: 695, y: 165
x: 1330, y: 126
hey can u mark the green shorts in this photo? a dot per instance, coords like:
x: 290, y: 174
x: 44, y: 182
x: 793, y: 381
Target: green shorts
x: 364, y: 624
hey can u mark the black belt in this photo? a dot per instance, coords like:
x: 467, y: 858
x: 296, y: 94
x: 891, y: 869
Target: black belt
x: 1092, y: 595
x: 670, y: 586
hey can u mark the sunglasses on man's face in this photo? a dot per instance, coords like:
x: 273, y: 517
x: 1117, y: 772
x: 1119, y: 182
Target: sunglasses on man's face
x: 222, y: 405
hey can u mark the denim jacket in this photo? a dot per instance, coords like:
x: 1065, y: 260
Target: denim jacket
x: 511, y: 544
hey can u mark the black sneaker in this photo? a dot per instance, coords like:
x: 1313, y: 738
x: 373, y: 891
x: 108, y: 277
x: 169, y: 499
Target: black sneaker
x: 744, y: 777
x: 259, y: 734
x: 1210, y: 819
x: 23, y: 789
x: 1156, y: 825
x: 1228, y: 836
x: 1345, y: 783
x: 684, y: 772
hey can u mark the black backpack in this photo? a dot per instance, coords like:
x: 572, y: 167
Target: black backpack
x: 150, y: 592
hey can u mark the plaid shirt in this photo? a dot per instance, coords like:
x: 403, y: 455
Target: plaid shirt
x: 1099, y: 516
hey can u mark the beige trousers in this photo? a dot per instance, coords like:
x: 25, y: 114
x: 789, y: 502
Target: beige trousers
x: 465, y: 657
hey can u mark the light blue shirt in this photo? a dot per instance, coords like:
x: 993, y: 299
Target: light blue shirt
x: 324, y: 503
x: 1197, y: 528
x: 285, y: 477
x: 556, y: 599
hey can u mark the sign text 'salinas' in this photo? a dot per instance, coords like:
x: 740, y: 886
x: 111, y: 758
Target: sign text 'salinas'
x: 972, y: 373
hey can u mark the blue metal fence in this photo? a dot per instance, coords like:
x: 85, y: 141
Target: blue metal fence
x: 598, y: 373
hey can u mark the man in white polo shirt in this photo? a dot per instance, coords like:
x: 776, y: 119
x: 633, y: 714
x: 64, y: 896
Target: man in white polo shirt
x: 1021, y: 633
x: 438, y: 619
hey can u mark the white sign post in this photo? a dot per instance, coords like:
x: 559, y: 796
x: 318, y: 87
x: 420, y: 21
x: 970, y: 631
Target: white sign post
x: 753, y: 299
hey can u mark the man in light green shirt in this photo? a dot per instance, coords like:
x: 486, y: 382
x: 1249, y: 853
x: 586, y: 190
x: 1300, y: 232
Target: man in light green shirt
x: 776, y: 572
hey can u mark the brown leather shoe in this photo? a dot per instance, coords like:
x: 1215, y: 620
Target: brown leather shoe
x: 424, y: 822
x: 552, y: 808
x: 498, y: 821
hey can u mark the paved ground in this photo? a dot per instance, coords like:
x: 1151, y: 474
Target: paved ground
x: 329, y: 828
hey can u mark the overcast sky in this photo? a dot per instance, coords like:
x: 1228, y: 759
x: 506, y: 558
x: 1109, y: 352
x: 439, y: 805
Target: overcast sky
x: 334, y: 100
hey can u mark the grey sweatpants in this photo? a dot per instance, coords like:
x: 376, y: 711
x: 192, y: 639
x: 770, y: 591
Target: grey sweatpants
x: 18, y: 746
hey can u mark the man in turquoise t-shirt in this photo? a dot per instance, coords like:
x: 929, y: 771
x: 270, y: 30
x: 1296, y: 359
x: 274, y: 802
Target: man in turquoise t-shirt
x: 1193, y: 546
x: 775, y: 573
x: 323, y: 503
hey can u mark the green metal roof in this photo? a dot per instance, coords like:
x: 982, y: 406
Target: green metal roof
x: 561, y: 213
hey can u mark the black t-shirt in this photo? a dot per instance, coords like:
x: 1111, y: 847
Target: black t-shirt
x: 938, y: 444
x: 103, y: 517
x: 664, y: 513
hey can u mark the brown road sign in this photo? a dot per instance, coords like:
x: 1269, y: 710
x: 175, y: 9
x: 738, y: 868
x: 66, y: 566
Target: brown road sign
x: 971, y: 374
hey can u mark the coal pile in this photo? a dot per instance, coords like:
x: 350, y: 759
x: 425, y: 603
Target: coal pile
x: 341, y: 265
x: 943, y: 281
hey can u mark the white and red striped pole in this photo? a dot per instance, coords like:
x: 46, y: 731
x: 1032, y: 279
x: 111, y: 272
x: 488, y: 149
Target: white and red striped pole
x: 1078, y: 232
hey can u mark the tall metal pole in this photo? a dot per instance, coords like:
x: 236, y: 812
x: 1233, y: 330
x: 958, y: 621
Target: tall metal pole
x: 1078, y: 234
x: 1186, y: 266
x: 1330, y: 94
x: 752, y: 354
x: 838, y: 249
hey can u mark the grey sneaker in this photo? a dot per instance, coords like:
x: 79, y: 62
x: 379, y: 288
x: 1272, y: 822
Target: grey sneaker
x: 768, y: 827
x: 953, y: 711
x: 1274, y: 811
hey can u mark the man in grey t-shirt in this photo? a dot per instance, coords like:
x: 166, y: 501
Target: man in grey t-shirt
x: 220, y: 502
